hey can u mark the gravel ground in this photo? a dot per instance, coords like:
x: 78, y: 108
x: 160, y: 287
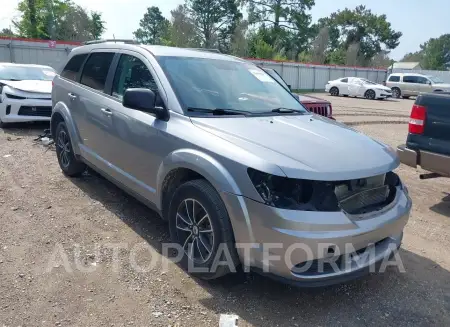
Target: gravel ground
x: 45, y: 215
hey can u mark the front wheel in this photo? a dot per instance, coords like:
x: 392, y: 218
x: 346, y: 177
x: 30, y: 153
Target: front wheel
x: 370, y: 94
x: 334, y: 91
x: 69, y: 164
x: 396, y: 93
x: 199, y: 223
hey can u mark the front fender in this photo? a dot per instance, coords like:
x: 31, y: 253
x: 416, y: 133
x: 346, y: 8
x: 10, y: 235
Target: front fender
x: 201, y: 163
x: 64, y: 111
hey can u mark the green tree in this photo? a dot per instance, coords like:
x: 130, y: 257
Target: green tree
x: 413, y: 56
x: 57, y: 20
x: 436, y: 53
x: 7, y: 32
x: 360, y: 26
x: 97, y: 25
x: 183, y: 32
x: 153, y: 27
x: 215, y: 21
x: 288, y: 21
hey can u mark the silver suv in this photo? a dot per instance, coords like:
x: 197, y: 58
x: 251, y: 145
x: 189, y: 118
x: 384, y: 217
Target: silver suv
x: 241, y: 171
x: 409, y: 84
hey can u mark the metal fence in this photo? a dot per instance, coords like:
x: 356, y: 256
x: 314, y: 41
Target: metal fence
x: 444, y: 75
x: 314, y: 77
x: 42, y: 52
x: 299, y: 76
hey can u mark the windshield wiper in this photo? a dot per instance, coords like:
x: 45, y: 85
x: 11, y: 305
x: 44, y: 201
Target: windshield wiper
x: 218, y: 111
x: 283, y: 110
x: 13, y: 80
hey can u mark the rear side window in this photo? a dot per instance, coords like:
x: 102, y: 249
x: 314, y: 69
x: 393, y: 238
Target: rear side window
x: 73, y: 67
x: 410, y: 79
x: 344, y: 80
x: 394, y: 79
x: 96, y: 70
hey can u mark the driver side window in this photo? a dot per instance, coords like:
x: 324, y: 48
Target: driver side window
x: 132, y: 73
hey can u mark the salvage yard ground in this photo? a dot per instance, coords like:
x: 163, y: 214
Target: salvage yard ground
x: 41, y: 210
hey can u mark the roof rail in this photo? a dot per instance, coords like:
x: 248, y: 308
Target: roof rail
x: 126, y: 41
x: 206, y: 50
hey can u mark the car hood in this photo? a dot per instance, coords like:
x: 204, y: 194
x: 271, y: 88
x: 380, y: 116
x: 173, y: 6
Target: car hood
x: 310, y: 99
x: 382, y: 87
x: 30, y: 85
x: 305, y: 146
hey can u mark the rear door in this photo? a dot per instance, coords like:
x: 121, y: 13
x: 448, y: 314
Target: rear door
x: 355, y: 87
x: 410, y: 85
x: 92, y: 114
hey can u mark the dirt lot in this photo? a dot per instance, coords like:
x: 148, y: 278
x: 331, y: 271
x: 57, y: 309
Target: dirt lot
x: 43, y: 213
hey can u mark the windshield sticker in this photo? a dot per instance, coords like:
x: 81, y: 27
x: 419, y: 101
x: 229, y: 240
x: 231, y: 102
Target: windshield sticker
x: 263, y: 77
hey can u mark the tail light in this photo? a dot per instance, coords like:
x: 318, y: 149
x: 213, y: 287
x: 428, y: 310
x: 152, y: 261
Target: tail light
x: 417, y: 119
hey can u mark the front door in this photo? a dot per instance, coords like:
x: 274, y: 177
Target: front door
x: 424, y: 84
x: 134, y: 143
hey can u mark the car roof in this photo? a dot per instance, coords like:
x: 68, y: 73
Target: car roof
x: 9, y: 64
x: 157, y: 50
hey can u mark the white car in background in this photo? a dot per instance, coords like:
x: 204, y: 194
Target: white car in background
x: 358, y: 87
x: 25, y: 93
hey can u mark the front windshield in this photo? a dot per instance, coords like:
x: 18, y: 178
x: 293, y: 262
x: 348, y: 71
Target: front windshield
x: 435, y: 80
x: 19, y: 73
x: 223, y: 84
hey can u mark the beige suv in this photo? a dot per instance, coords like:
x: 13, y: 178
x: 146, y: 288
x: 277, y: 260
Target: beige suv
x: 408, y: 84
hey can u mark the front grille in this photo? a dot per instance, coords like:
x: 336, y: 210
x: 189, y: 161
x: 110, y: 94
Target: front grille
x: 35, y: 111
x: 319, y: 109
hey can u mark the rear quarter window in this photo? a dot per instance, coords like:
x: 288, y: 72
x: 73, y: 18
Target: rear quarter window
x: 73, y: 67
x: 394, y: 79
x: 344, y: 80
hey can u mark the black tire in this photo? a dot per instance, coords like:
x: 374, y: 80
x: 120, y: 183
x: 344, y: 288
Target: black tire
x: 201, y: 192
x: 396, y: 93
x: 69, y: 164
x: 370, y: 94
x: 345, y: 95
x: 405, y: 97
x: 334, y: 91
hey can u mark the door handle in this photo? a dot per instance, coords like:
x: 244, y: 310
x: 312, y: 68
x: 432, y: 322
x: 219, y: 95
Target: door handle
x: 107, y: 112
x: 72, y: 96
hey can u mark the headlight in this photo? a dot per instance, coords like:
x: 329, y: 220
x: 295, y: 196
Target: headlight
x: 294, y: 194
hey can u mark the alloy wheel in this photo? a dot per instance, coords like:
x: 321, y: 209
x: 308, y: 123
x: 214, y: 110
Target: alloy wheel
x: 64, y: 148
x: 395, y: 93
x: 194, y: 230
x: 370, y: 95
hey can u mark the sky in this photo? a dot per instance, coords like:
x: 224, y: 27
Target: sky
x: 418, y: 20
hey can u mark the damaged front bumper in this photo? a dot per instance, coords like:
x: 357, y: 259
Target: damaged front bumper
x: 284, y: 240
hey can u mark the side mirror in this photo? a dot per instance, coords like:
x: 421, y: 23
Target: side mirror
x: 429, y: 82
x: 289, y: 86
x: 144, y: 100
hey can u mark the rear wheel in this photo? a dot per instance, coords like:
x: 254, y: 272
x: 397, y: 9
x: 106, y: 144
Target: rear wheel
x: 370, y: 94
x: 396, y: 93
x: 334, y: 91
x: 405, y: 97
x: 199, y: 223
x: 69, y: 164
